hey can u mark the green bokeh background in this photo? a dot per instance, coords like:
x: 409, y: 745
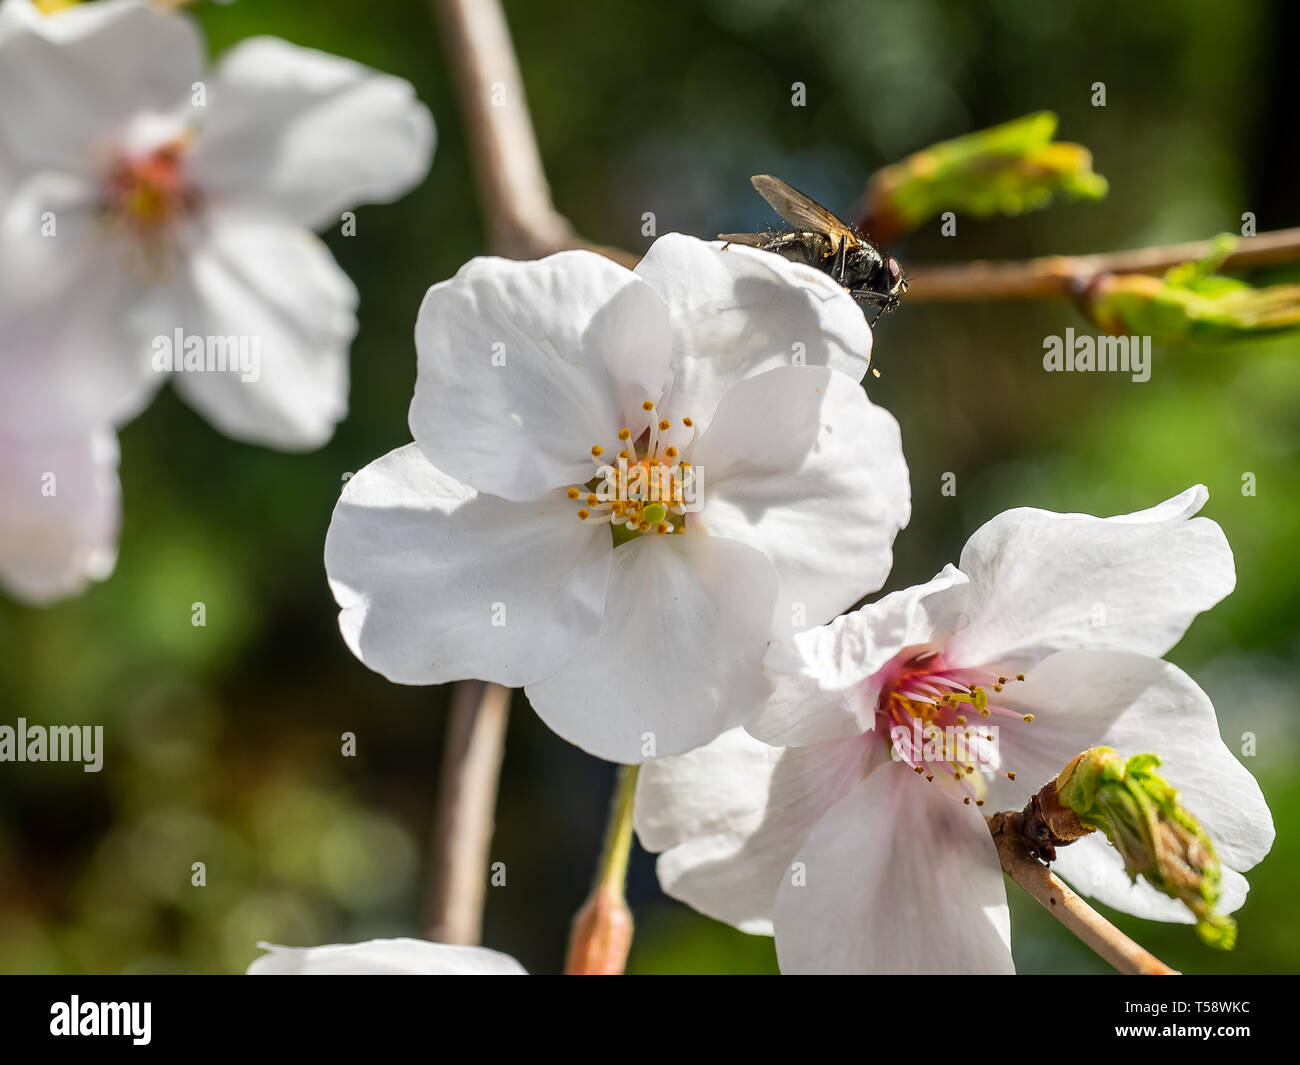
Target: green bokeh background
x: 223, y: 742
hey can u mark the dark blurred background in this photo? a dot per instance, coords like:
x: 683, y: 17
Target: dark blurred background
x: 223, y: 742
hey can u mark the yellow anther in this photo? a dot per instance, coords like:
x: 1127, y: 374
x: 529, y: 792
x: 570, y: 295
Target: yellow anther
x: 623, y: 434
x: 671, y: 452
x: 596, y: 451
x: 1029, y: 718
x: 592, y: 499
x: 1011, y: 774
x: 662, y: 527
x: 574, y: 493
x: 1020, y: 676
x: 647, y: 405
x: 584, y: 514
x: 687, y: 422
x: 665, y: 425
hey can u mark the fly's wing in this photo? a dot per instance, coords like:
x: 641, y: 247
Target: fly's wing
x: 800, y: 210
x: 754, y: 240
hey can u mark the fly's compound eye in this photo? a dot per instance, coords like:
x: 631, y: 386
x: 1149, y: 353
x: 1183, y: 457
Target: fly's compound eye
x: 895, y: 273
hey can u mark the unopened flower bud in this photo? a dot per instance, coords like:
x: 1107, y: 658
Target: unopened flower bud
x: 1141, y: 815
x: 601, y: 937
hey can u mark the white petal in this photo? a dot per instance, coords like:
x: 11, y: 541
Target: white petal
x: 60, y: 508
x: 900, y: 878
x: 75, y: 320
x: 14, y: 15
x: 304, y: 135
x: 524, y: 366
x: 1043, y: 582
x: 799, y: 464
x: 729, y: 818
x: 10, y: 170
x: 823, y: 676
x: 1137, y: 705
x: 437, y: 583
x: 677, y: 659
x: 1076, y: 697
x: 277, y: 293
x: 384, y: 957
x: 71, y: 83
x: 740, y: 311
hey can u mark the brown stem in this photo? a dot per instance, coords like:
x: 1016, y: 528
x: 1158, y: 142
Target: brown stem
x: 1058, y: 276
x: 462, y: 831
x: 1112, y: 945
x: 522, y: 221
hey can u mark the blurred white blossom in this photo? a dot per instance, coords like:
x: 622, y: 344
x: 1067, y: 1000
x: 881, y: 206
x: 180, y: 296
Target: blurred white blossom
x: 384, y: 957
x: 159, y: 200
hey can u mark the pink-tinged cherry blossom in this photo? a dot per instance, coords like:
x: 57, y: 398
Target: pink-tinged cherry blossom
x: 856, y: 832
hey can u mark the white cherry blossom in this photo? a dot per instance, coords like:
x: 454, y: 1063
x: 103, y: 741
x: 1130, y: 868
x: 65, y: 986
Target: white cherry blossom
x: 488, y: 547
x: 158, y: 200
x: 861, y: 845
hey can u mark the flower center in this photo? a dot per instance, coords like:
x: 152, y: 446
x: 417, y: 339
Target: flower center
x: 944, y: 721
x: 642, y: 486
x: 147, y: 193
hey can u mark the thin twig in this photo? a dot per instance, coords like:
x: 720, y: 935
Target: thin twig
x: 1057, y: 276
x: 462, y: 831
x: 522, y: 221
x: 1086, y: 923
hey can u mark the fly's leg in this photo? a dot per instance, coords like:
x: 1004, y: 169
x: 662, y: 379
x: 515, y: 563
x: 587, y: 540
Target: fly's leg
x: 841, y: 260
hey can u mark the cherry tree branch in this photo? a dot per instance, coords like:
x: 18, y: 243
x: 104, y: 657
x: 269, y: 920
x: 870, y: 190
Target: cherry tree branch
x: 462, y: 831
x: 1112, y: 945
x: 524, y: 223
x: 522, y: 220
x: 1058, y: 276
